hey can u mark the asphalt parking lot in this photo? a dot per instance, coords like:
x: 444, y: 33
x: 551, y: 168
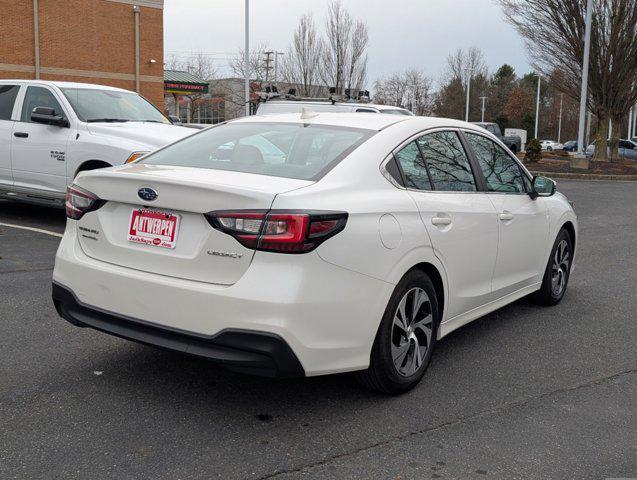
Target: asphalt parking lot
x: 525, y: 392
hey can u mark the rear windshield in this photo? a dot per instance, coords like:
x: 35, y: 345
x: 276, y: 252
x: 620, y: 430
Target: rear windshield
x: 301, y: 151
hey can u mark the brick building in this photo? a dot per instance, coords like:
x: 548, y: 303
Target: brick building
x: 110, y: 42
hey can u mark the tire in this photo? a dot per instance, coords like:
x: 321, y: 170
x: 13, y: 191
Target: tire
x: 411, y: 345
x: 557, y: 272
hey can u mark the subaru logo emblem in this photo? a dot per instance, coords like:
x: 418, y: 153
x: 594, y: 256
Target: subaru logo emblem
x: 147, y: 194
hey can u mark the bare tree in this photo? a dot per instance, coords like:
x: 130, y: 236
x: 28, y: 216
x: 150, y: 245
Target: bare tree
x: 461, y: 64
x: 257, y: 65
x: 302, y: 63
x: 344, y: 53
x: 554, y: 33
x: 411, y: 89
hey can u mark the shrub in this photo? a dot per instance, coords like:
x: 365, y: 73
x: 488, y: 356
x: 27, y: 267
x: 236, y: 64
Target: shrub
x: 533, y: 151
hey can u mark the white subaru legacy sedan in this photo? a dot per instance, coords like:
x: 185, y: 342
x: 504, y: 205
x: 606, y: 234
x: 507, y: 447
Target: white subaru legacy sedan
x: 310, y: 244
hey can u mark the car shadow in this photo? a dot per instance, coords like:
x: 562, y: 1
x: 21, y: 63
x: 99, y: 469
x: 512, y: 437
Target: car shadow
x: 151, y: 370
x: 35, y: 216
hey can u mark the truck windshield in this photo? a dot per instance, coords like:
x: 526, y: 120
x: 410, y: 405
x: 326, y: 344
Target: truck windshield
x: 397, y: 111
x: 94, y: 105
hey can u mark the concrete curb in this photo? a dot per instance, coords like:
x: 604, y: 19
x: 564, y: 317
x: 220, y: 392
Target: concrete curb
x: 586, y: 176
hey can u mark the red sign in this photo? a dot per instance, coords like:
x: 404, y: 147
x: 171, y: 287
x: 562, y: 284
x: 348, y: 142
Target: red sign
x: 153, y: 228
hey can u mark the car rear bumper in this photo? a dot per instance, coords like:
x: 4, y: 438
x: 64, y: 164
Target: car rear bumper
x: 327, y: 315
x: 257, y: 353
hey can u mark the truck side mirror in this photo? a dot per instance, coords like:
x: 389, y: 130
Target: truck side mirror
x: 174, y: 119
x: 47, y: 116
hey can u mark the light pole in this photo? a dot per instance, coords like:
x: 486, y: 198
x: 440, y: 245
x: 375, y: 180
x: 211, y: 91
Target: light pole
x: 482, y: 116
x: 246, y: 60
x: 584, y: 91
x: 630, y: 123
x: 466, y: 115
x: 559, y: 124
x: 537, y: 104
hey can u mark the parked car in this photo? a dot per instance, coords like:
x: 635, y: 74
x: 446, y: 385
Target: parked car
x: 275, y: 106
x: 513, y: 142
x: 50, y: 131
x: 570, y: 146
x: 550, y: 145
x: 627, y: 150
x: 341, y: 255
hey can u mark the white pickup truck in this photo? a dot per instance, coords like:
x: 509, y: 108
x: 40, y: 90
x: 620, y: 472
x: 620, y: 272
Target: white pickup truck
x: 50, y: 131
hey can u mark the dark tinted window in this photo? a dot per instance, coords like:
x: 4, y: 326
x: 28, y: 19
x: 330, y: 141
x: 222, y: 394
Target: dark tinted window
x: 447, y: 161
x: 39, y: 97
x: 414, y: 168
x: 391, y: 167
x: 7, y: 100
x: 501, y: 172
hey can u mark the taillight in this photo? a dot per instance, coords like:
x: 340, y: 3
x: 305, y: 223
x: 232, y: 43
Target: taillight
x: 280, y: 231
x: 80, y: 201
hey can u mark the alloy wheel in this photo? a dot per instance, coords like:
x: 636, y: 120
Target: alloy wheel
x: 411, y: 331
x: 559, y: 268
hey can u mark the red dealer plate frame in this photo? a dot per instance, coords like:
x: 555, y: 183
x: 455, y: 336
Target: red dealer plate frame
x: 153, y: 227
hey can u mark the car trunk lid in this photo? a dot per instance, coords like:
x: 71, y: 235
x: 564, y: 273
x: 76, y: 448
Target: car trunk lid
x: 170, y: 234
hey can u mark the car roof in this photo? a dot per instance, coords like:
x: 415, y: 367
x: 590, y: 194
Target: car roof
x: 356, y: 120
x: 92, y: 86
x: 324, y: 102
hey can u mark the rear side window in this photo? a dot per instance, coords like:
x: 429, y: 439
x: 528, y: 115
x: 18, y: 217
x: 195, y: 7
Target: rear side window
x: 8, y: 93
x: 414, y: 168
x: 447, y: 162
x: 291, y: 150
x: 39, y: 97
x: 501, y: 172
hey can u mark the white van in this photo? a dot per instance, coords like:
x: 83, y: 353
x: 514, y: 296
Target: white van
x: 272, y: 107
x: 50, y: 131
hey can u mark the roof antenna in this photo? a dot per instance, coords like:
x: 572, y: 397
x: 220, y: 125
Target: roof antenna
x: 307, y: 113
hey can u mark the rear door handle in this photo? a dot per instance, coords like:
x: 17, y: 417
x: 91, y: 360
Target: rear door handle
x: 21, y: 134
x: 506, y: 216
x: 441, y: 221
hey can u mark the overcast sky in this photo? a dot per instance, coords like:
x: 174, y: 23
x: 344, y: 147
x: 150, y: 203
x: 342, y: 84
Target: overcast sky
x: 403, y: 33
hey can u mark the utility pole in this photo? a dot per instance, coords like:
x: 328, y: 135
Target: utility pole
x: 537, y: 104
x: 267, y: 67
x: 584, y: 90
x: 559, y: 124
x: 246, y: 59
x: 482, y: 116
x: 466, y: 115
x: 276, y: 65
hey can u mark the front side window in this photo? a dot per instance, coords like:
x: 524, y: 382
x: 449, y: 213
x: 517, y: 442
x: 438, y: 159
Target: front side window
x: 95, y: 105
x: 414, y: 168
x: 447, y: 161
x: 501, y: 172
x: 8, y: 93
x: 291, y: 150
x: 39, y: 97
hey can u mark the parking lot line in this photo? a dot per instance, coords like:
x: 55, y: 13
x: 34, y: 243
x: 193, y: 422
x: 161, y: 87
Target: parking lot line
x: 32, y: 229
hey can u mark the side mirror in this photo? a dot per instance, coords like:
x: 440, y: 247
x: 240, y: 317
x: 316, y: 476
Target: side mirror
x: 47, y: 116
x: 543, y: 187
x: 174, y: 119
